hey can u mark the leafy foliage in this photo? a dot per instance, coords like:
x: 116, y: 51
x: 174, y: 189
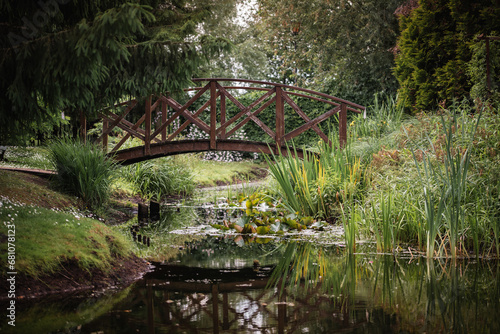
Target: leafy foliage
x: 433, y: 50
x: 341, y: 47
x: 261, y: 214
x: 86, y: 55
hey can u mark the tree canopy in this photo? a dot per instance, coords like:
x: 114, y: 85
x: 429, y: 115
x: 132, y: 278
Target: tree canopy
x: 340, y: 47
x: 61, y: 55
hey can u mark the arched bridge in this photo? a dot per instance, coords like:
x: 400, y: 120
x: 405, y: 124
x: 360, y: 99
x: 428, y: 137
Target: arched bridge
x: 160, y: 138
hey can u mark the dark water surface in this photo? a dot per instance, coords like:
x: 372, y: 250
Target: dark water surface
x: 229, y: 284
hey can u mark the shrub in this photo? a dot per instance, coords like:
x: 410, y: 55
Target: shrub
x: 83, y: 170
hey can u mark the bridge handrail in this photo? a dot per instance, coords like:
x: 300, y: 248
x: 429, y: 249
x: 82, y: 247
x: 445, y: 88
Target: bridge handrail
x: 158, y: 143
x: 355, y: 107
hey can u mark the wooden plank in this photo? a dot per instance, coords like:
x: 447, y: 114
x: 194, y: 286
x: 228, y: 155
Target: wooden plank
x: 126, y: 128
x: 280, y: 117
x: 255, y: 113
x: 223, y: 116
x: 343, y: 125
x: 186, y: 123
x: 177, y: 106
x: 213, y: 115
x: 330, y: 97
x: 136, y: 154
x: 126, y: 125
x: 215, y: 308
x: 164, y: 111
x: 118, y: 119
x: 310, y: 124
x: 155, y: 105
x: 304, y: 116
x: 147, y: 121
x: 250, y: 107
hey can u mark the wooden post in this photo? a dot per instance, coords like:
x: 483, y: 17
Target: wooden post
x: 147, y: 135
x: 164, y: 111
x: 343, y: 125
x: 223, y: 116
x: 215, y: 308
x: 282, y: 313
x: 83, y: 127
x: 225, y: 312
x: 154, y: 210
x: 213, y: 115
x: 105, y: 124
x: 150, y: 310
x: 142, y: 212
x: 280, y: 119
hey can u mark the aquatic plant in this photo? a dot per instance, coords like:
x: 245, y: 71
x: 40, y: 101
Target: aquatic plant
x: 261, y: 214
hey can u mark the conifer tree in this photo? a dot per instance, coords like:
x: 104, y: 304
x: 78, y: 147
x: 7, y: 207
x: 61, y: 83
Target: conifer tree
x: 434, y: 48
x: 75, y: 55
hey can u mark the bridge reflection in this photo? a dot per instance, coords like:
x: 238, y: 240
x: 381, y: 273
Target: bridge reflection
x: 183, y: 299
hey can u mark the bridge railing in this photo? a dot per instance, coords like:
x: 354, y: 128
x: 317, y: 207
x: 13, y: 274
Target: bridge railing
x: 221, y: 126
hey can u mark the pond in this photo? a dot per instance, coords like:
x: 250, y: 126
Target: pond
x: 209, y: 282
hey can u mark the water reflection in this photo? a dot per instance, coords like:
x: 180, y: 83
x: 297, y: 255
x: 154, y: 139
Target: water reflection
x: 287, y: 288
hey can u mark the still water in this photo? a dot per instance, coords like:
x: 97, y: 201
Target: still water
x: 205, y: 282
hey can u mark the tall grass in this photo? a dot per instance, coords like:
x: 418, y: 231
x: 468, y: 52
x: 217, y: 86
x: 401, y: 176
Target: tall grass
x: 315, y: 185
x: 444, y: 184
x: 159, y: 179
x: 350, y: 221
x: 83, y: 170
x: 434, y: 205
x: 384, y: 116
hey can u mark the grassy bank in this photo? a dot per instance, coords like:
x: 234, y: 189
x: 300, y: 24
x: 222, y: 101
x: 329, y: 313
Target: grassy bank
x: 428, y: 183
x: 50, y: 237
x: 47, y: 239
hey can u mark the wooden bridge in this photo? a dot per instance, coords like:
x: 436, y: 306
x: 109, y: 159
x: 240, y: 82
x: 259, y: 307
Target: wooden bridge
x: 151, y: 127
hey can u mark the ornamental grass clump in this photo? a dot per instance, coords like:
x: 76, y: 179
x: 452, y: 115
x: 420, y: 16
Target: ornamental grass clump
x: 83, y: 170
x: 445, y: 183
x: 159, y: 179
x: 317, y: 184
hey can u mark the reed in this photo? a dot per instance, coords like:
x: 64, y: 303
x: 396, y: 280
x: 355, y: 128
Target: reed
x: 384, y: 116
x: 444, y: 185
x: 383, y: 223
x: 350, y: 222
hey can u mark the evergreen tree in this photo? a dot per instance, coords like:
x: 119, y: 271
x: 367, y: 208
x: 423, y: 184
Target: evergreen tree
x: 434, y: 49
x: 61, y: 55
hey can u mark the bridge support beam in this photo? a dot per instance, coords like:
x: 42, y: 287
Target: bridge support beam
x: 147, y: 123
x: 343, y: 125
x: 280, y: 119
x: 213, y: 115
x: 83, y: 127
